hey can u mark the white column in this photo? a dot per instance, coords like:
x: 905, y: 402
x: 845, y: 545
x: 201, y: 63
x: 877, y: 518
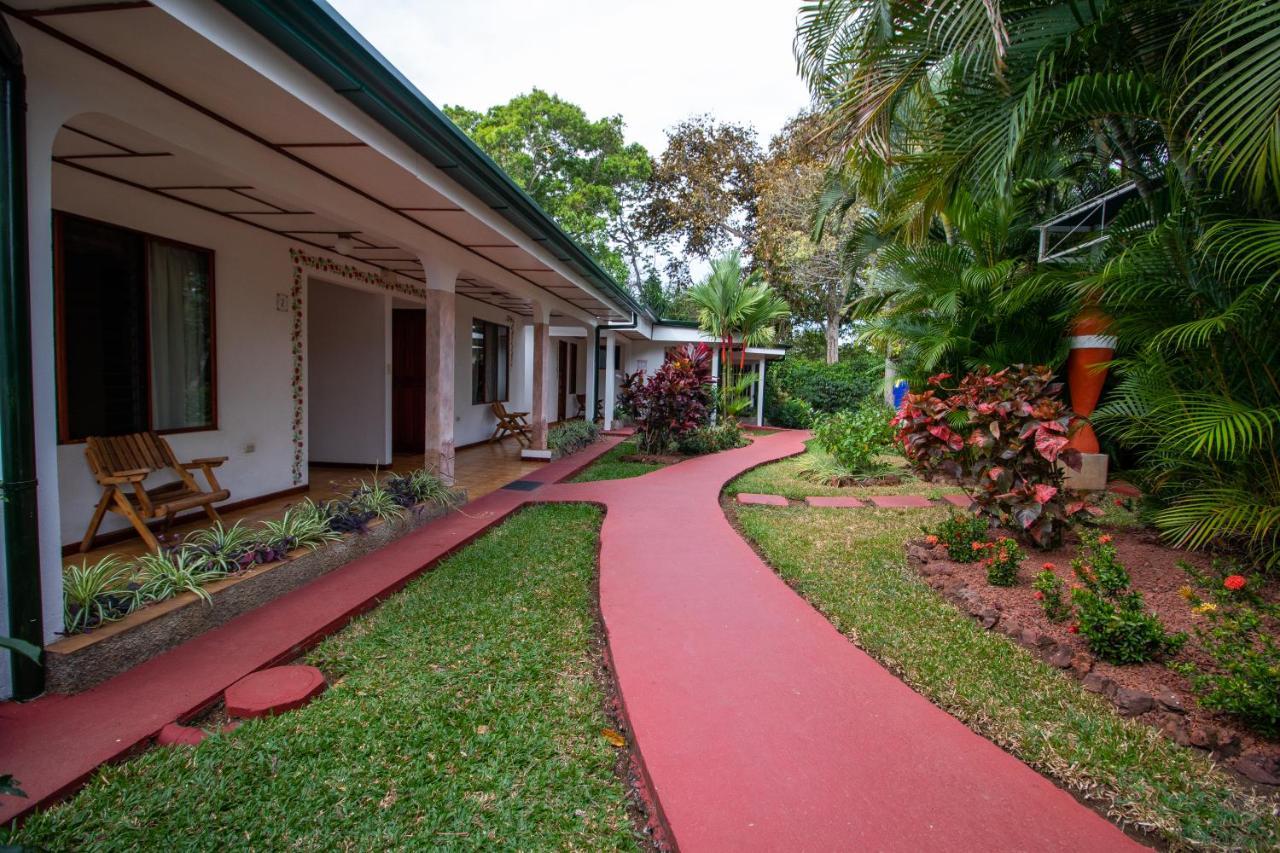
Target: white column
x: 441, y: 376
x: 715, y: 378
x: 589, y: 387
x: 610, y: 382
x: 760, y: 396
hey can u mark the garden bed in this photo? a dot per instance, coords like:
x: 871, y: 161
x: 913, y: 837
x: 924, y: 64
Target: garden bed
x: 1151, y: 692
x: 82, y: 660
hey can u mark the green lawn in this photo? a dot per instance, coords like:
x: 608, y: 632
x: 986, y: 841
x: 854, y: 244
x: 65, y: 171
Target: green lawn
x: 850, y: 565
x: 783, y: 478
x: 611, y: 467
x: 465, y: 713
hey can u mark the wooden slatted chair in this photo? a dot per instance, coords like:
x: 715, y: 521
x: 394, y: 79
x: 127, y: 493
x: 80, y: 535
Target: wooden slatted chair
x: 122, y: 461
x: 510, y: 423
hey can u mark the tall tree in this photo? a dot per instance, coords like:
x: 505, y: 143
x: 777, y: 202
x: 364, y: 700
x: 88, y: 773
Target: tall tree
x: 582, y: 172
x: 809, y: 269
x: 701, y: 196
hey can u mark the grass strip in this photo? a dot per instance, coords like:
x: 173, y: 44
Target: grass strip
x: 464, y: 713
x: 610, y: 466
x: 850, y: 565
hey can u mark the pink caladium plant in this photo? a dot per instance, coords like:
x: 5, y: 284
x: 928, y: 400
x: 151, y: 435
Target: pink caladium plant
x: 1004, y: 436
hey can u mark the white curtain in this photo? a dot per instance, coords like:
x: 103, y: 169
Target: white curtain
x: 181, y: 366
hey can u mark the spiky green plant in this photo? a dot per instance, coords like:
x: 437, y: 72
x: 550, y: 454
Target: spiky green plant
x: 222, y: 547
x: 169, y: 573
x: 93, y: 593
x: 300, y: 527
x: 374, y: 497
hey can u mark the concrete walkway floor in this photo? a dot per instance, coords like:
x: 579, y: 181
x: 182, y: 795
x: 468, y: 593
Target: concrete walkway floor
x: 758, y: 726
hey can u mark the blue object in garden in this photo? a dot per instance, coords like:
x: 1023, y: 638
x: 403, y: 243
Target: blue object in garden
x: 899, y: 391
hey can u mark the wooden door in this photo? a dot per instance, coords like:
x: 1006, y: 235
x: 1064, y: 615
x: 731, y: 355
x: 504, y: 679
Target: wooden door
x: 408, y: 380
x: 562, y: 378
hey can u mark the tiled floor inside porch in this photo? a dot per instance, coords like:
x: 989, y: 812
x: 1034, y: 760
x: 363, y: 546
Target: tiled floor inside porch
x: 480, y: 469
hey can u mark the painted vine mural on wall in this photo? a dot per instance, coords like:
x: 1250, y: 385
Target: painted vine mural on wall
x: 301, y: 263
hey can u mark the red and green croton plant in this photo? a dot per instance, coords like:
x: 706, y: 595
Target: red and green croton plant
x: 1002, y: 436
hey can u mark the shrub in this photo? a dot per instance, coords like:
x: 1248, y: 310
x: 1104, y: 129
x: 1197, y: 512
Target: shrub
x: 856, y: 378
x: 1112, y: 617
x: 224, y: 549
x: 1244, y: 679
x: 855, y: 438
x: 959, y: 532
x: 1051, y: 592
x: 1002, y: 561
x: 299, y: 527
x: 725, y: 435
x: 674, y: 401
x: 572, y: 436
x: 791, y: 413
x: 421, y: 486
x: 1002, y: 435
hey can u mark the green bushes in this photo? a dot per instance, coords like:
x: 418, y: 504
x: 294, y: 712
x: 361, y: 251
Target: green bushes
x: 820, y: 386
x: 1244, y: 679
x: 1111, y: 616
x: 572, y: 436
x: 790, y: 413
x: 1051, y: 592
x: 960, y: 534
x: 1002, y: 561
x: 714, y: 438
x: 855, y: 438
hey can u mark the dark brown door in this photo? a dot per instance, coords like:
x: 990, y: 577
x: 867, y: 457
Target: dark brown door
x: 408, y: 380
x: 562, y: 378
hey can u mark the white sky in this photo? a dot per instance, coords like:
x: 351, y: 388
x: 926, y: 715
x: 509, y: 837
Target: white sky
x: 655, y: 63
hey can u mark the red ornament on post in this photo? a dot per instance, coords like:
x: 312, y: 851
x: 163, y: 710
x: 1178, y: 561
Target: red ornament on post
x: 1091, y: 349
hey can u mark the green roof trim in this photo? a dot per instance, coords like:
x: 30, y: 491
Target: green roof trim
x: 315, y: 36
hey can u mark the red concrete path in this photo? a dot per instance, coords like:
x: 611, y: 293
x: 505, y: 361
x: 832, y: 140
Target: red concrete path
x: 760, y: 727
x: 52, y: 744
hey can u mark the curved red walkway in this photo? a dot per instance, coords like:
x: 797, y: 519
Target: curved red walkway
x: 761, y: 727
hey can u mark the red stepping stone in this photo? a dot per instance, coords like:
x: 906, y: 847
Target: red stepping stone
x: 174, y: 734
x: 274, y: 691
x: 901, y: 502
x: 844, y: 503
x: 962, y: 501
x: 762, y: 500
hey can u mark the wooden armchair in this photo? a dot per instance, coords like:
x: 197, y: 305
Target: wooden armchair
x: 121, y: 463
x: 510, y: 423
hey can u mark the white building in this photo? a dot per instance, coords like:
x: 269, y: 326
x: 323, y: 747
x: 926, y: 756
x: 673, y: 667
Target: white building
x: 235, y: 224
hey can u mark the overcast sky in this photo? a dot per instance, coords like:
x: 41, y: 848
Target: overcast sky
x: 655, y: 62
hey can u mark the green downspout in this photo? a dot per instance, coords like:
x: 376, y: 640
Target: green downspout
x: 17, y: 428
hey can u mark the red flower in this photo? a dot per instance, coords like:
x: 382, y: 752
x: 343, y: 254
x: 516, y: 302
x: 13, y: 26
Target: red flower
x: 1234, y: 582
x: 1120, y: 502
x: 1074, y: 629
x: 1105, y: 538
x: 931, y: 539
x: 1039, y: 595
x: 1048, y: 567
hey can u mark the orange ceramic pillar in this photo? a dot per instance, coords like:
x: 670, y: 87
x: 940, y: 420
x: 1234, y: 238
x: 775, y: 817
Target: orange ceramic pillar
x: 1091, y: 348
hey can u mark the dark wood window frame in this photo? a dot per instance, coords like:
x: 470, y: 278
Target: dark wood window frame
x: 490, y: 396
x: 59, y: 218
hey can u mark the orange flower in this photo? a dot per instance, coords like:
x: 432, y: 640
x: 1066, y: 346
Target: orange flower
x: 1105, y: 538
x: 1234, y: 582
x: 931, y: 539
x: 1048, y: 567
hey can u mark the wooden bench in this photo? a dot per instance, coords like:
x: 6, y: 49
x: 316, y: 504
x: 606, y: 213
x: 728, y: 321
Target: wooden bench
x: 121, y: 463
x: 510, y: 423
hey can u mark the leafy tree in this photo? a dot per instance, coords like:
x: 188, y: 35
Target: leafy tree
x: 812, y: 271
x: 931, y: 101
x: 701, y: 194
x: 580, y: 171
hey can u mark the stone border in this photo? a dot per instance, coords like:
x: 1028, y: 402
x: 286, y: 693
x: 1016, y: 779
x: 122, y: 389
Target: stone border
x: 1221, y: 743
x: 80, y: 661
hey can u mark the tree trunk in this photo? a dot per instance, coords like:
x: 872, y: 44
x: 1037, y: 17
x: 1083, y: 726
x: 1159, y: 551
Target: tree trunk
x: 833, y: 337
